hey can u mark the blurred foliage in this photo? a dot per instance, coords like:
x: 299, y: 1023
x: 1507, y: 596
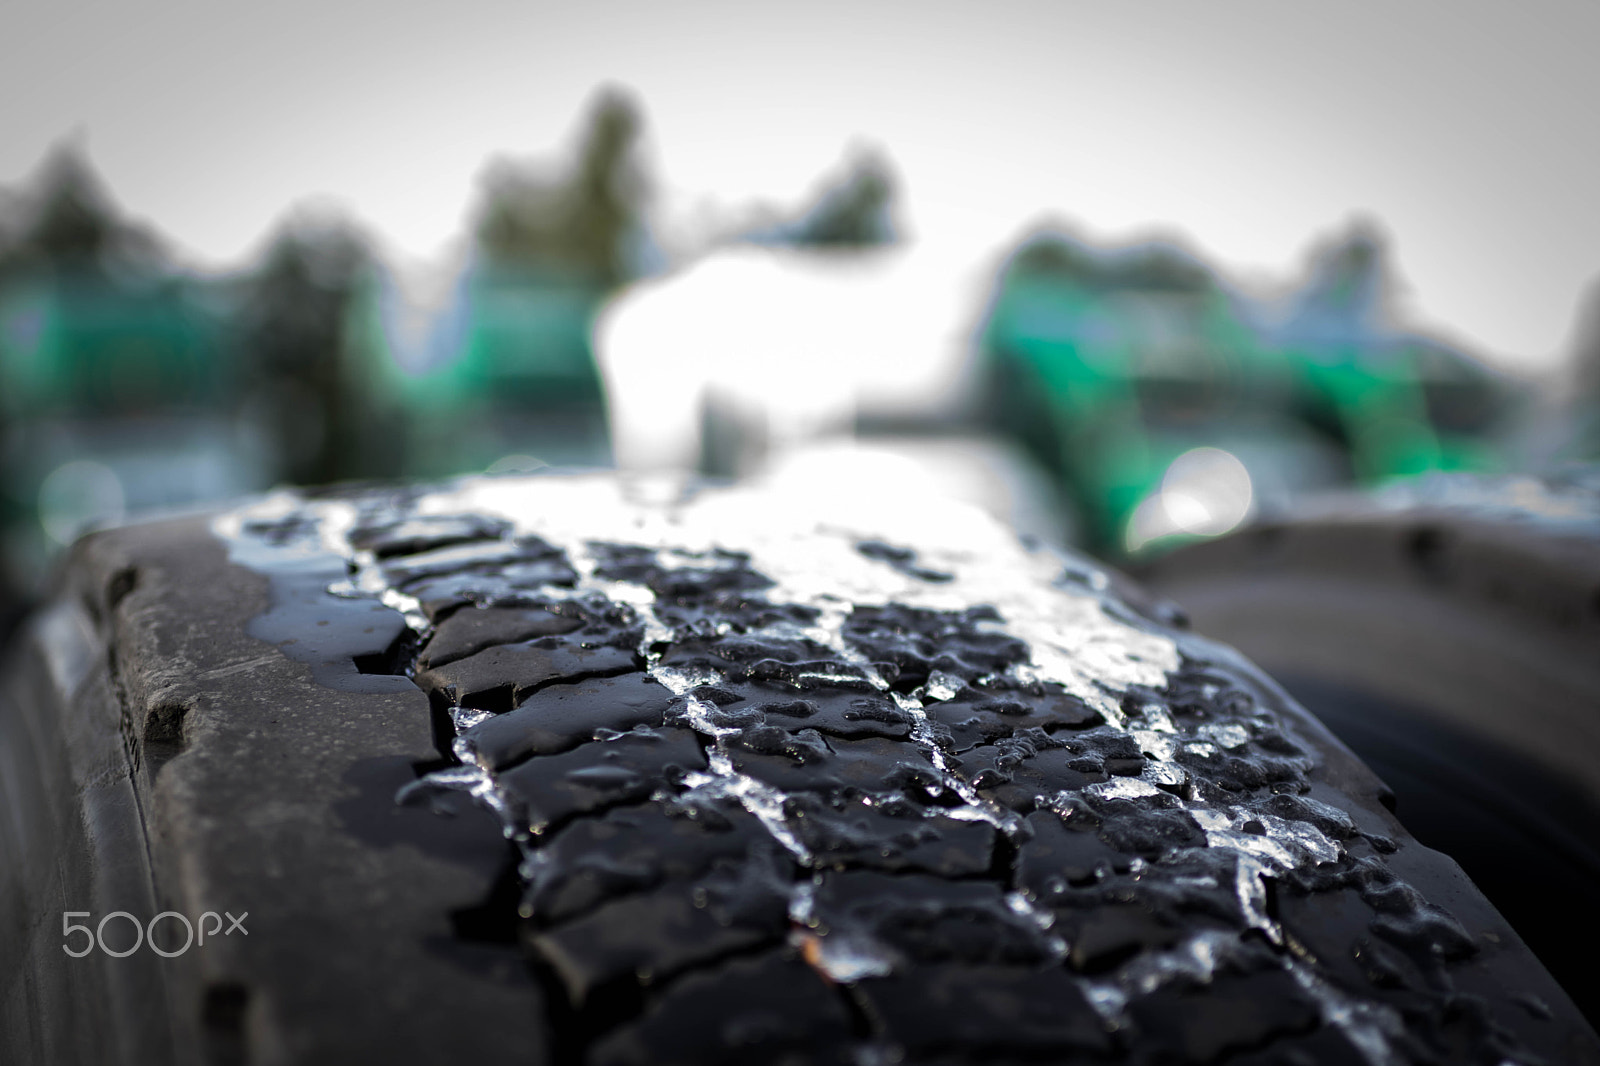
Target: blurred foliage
x: 853, y: 210
x: 290, y: 342
x: 520, y: 375
x: 68, y: 224
x: 857, y: 212
x: 1581, y: 415
x: 580, y: 224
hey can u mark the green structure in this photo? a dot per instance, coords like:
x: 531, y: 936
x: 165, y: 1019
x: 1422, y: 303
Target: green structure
x: 114, y: 394
x: 80, y: 344
x: 92, y: 324
x: 517, y: 380
x: 1109, y: 365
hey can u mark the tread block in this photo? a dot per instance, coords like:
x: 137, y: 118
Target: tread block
x: 808, y: 763
x: 1020, y: 772
x: 471, y: 630
x: 1058, y: 857
x: 651, y: 937
x: 1191, y: 1022
x: 506, y: 674
x: 1107, y: 935
x: 987, y: 1011
x: 717, y: 577
x: 424, y: 533
x: 560, y: 717
x: 983, y: 714
x: 499, y: 572
x: 920, y: 641
x: 925, y: 919
x: 848, y: 713
x: 798, y: 683
x: 770, y: 1008
x: 549, y: 789
x: 892, y: 837
x: 631, y: 849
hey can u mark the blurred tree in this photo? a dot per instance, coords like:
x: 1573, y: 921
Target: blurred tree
x: 550, y: 246
x: 1148, y: 267
x: 68, y: 222
x: 1583, y: 400
x: 855, y: 213
x: 1349, y: 288
x: 293, y: 349
x: 584, y: 223
x: 853, y: 210
x: 1361, y: 379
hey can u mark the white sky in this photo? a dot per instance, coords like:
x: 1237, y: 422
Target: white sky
x: 1251, y: 128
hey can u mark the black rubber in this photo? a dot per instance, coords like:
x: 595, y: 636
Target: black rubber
x: 1449, y: 632
x: 745, y: 828
x: 1527, y: 838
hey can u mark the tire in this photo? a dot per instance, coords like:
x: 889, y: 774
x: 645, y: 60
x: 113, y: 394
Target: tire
x: 577, y: 770
x: 1449, y: 632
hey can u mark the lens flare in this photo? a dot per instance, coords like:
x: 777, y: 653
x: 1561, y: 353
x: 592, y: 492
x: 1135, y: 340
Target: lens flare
x: 1205, y: 492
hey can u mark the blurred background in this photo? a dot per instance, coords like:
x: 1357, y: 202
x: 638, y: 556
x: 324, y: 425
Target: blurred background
x: 1126, y: 278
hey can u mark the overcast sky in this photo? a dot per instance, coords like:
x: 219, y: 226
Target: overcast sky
x: 1252, y: 129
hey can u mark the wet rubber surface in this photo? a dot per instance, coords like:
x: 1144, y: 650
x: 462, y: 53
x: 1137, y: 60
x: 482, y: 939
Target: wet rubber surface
x: 1492, y: 812
x: 1447, y: 629
x: 801, y: 794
